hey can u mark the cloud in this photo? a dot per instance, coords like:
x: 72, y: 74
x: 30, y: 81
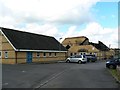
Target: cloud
x: 7, y: 22
x: 54, y: 11
x: 95, y: 32
x: 109, y: 0
x: 46, y: 29
x: 46, y: 16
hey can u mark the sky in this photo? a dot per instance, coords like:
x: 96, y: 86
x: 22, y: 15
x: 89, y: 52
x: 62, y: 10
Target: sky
x: 95, y: 19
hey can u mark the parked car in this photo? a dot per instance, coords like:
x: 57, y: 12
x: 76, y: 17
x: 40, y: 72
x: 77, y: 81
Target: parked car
x: 91, y: 58
x: 112, y: 63
x: 77, y: 58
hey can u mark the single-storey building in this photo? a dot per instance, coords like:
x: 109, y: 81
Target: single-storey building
x: 24, y: 47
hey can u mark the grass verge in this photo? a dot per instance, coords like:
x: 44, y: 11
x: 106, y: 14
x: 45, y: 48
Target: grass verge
x: 116, y: 74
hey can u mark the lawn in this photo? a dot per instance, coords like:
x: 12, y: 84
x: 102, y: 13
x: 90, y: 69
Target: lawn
x: 115, y: 73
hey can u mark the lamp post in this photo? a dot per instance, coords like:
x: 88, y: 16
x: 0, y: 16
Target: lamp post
x: 59, y: 44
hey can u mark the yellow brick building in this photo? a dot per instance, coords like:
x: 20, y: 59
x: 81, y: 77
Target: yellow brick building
x: 81, y: 45
x: 23, y: 47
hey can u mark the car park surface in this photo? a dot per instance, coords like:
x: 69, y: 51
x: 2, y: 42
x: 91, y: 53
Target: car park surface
x: 57, y: 75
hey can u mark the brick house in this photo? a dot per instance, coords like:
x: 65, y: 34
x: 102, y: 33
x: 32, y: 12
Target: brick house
x: 24, y: 47
x: 81, y: 45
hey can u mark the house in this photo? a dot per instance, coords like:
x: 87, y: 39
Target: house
x: 75, y: 41
x: 24, y: 47
x: 81, y: 45
x: 117, y: 52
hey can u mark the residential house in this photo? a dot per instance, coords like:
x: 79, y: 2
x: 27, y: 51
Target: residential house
x: 117, y: 52
x: 81, y: 45
x: 24, y: 47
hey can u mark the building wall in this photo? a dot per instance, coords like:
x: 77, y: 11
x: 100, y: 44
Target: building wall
x: 8, y: 58
x: 100, y: 54
x: 14, y: 57
x: 22, y: 57
x: 52, y: 57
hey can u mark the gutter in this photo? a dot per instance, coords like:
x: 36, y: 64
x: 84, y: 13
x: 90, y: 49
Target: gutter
x: 23, y: 50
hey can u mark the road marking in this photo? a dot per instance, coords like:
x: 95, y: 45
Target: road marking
x: 23, y: 71
x: 53, y: 77
x: 5, y: 84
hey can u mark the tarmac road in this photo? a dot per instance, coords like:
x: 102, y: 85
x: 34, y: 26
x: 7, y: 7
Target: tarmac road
x: 58, y: 75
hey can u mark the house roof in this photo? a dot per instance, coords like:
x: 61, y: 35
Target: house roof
x: 100, y: 46
x: 30, y: 41
x: 74, y: 40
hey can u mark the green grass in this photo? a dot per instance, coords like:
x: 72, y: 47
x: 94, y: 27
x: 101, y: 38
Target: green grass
x: 115, y: 74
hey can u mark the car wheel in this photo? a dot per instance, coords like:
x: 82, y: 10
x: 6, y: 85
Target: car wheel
x: 112, y: 67
x: 68, y: 61
x: 79, y: 61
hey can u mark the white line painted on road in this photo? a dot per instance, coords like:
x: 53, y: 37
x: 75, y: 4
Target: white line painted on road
x: 5, y: 84
x: 23, y: 71
x: 54, y: 76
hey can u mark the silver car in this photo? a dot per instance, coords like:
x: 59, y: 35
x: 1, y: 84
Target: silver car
x: 77, y: 58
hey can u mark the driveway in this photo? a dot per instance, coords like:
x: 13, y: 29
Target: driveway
x: 57, y: 75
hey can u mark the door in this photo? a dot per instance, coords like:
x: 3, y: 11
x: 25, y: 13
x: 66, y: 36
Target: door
x: 29, y: 57
x: 73, y: 58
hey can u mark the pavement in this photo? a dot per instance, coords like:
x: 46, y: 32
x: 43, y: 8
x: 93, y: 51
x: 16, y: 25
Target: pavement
x: 57, y: 75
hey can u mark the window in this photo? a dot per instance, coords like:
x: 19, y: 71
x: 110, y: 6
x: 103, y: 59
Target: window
x: 50, y: 53
x: 78, y: 56
x: 71, y: 54
x: 0, y: 54
x: 38, y: 54
x: 44, y: 54
x: 6, y: 54
x: 55, y: 54
x: 75, y: 53
x: 84, y: 53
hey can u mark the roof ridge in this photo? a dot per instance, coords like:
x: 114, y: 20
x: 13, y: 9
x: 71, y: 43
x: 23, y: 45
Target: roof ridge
x: 25, y: 32
x: 76, y: 37
x: 31, y: 41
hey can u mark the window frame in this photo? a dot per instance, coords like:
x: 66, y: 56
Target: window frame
x: 6, y: 54
x: 50, y: 54
x: 55, y: 54
x: 44, y: 54
x: 0, y: 54
x: 38, y: 54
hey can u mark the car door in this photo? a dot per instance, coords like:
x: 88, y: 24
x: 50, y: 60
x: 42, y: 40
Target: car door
x: 74, y: 59
x: 78, y: 57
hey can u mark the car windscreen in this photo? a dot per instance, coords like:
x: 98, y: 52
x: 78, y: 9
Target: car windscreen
x: 79, y: 56
x: 72, y: 56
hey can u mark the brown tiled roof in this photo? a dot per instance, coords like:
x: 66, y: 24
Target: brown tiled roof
x: 72, y: 40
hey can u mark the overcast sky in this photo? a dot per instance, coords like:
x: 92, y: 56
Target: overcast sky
x: 95, y: 19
